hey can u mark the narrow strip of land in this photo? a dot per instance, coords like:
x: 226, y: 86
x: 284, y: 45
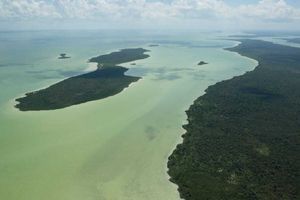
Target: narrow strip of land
x: 293, y: 40
x: 242, y: 137
x: 109, y: 79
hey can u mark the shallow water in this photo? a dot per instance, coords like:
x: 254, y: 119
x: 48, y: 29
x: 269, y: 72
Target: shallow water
x: 115, y: 148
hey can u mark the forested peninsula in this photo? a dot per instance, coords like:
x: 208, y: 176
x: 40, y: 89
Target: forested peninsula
x: 242, y: 137
x: 107, y: 80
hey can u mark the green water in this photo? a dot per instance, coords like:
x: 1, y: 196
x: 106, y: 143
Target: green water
x: 111, y: 149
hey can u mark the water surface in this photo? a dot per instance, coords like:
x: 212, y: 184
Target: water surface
x: 111, y: 149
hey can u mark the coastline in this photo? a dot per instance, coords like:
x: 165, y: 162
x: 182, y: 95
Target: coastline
x: 185, y: 190
x: 185, y: 120
x: 97, y: 139
x: 90, y: 68
x: 101, y: 83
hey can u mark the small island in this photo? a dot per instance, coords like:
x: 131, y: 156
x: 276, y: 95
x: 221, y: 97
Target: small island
x: 153, y: 45
x: 63, y: 56
x: 202, y: 63
x: 109, y: 79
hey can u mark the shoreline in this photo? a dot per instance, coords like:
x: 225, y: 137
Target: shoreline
x: 186, y: 122
x: 177, y: 173
x: 181, y: 139
x: 119, y: 127
x: 100, y: 83
x: 90, y: 68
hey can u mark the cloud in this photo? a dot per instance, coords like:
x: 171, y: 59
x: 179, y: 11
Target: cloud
x: 270, y: 10
x: 24, y: 9
x: 145, y: 10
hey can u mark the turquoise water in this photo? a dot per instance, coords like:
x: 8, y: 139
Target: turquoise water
x: 115, y: 148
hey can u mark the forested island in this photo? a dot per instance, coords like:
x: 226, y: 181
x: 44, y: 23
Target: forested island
x: 242, y: 137
x: 109, y: 79
x: 63, y: 56
x: 202, y: 63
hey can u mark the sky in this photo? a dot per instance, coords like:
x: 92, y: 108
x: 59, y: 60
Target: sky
x: 150, y: 14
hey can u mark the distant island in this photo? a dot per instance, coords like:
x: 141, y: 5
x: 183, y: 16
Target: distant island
x: 153, y: 45
x: 242, y: 136
x: 63, y: 56
x: 107, y: 80
x: 293, y: 40
x: 202, y: 63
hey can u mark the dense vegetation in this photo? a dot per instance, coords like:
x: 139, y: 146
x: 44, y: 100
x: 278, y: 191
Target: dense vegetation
x: 202, y: 63
x: 123, y: 56
x: 63, y: 56
x: 107, y: 80
x: 242, y: 139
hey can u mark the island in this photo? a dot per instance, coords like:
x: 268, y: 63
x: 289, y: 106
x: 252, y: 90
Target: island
x: 109, y: 79
x: 153, y: 45
x: 242, y: 137
x: 63, y: 56
x: 293, y: 40
x: 202, y: 63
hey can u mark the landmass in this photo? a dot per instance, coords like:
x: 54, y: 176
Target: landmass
x: 293, y: 40
x: 242, y: 137
x: 255, y: 34
x: 153, y: 45
x: 109, y: 79
x: 251, y: 36
x: 202, y: 63
x: 63, y: 56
